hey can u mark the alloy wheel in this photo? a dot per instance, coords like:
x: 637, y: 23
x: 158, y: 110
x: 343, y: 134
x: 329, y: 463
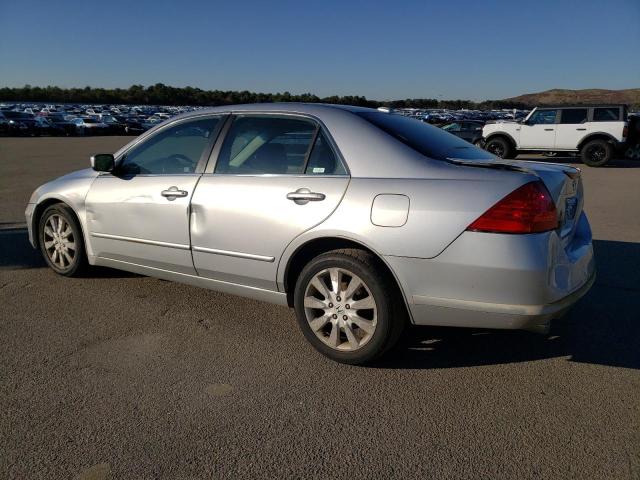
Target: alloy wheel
x: 59, y: 241
x: 596, y: 153
x: 340, y: 309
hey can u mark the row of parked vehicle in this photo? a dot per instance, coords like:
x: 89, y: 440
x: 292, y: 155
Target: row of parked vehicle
x: 79, y: 120
x: 440, y: 116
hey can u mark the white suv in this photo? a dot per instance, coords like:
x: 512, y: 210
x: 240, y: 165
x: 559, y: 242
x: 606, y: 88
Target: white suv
x: 596, y: 132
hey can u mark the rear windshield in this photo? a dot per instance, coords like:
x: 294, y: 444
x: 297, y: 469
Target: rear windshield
x: 430, y: 141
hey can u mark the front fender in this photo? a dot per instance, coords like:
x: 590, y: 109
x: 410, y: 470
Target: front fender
x: 69, y: 189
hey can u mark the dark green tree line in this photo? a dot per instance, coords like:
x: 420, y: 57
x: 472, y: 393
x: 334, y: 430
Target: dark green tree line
x: 160, y: 94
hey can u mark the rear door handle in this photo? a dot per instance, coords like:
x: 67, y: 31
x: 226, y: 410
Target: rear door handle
x: 303, y: 196
x: 548, y: 129
x: 580, y: 128
x: 173, y: 192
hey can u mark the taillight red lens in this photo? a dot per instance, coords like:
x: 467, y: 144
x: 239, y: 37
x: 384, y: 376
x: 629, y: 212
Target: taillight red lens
x: 625, y: 131
x: 528, y: 209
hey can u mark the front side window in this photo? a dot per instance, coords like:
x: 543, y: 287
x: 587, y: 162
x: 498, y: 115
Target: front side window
x: 174, y: 150
x: 573, y: 115
x: 266, y: 145
x: 543, y: 117
x: 609, y: 114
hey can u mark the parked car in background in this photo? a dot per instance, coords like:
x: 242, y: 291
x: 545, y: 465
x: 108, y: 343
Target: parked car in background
x: 596, y: 132
x: 133, y: 126
x: 114, y: 126
x: 64, y: 123
x: 20, y: 123
x: 90, y: 126
x: 445, y: 234
x: 4, y: 124
x: 469, y: 130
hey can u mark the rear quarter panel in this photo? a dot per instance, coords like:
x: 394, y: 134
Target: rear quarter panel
x: 439, y: 211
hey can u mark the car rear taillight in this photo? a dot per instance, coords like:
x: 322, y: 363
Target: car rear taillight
x: 625, y: 131
x: 528, y: 209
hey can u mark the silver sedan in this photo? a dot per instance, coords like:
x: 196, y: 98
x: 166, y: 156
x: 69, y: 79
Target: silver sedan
x: 363, y: 221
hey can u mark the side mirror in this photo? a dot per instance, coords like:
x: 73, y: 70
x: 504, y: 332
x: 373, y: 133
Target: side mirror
x: 103, y: 162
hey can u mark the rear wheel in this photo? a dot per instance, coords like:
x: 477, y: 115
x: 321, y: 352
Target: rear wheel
x: 61, y: 242
x: 596, y: 153
x: 344, y: 306
x: 500, y: 147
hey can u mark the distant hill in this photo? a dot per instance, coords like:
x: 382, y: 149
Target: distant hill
x: 629, y: 96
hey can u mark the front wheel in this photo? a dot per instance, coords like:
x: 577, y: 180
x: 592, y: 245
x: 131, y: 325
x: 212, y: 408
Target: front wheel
x: 61, y: 242
x: 596, y: 153
x: 347, y: 307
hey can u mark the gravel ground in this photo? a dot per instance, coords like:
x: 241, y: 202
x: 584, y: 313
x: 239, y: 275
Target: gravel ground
x: 123, y: 376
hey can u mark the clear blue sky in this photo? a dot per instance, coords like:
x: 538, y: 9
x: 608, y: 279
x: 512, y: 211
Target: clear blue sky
x: 468, y: 49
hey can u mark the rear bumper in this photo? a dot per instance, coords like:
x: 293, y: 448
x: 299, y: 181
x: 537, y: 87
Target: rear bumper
x: 499, y: 281
x: 466, y: 313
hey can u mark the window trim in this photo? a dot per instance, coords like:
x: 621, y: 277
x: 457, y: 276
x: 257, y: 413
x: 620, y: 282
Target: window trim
x: 320, y: 127
x: 200, y: 165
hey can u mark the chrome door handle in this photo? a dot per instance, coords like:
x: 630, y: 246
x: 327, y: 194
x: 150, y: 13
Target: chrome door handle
x: 303, y: 196
x: 173, y: 192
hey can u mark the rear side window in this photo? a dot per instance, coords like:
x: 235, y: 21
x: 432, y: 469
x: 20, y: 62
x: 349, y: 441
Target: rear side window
x: 428, y: 140
x: 266, y: 145
x: 322, y: 160
x: 606, y: 114
x: 573, y: 115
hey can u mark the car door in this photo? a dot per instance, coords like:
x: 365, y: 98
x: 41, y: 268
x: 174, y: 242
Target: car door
x: 140, y: 212
x: 274, y: 177
x: 539, y: 130
x: 571, y: 128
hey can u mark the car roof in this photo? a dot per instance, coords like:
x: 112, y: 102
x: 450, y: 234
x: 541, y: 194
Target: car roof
x: 293, y: 107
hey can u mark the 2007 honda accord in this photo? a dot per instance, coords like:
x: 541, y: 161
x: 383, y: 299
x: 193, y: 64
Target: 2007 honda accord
x: 361, y: 220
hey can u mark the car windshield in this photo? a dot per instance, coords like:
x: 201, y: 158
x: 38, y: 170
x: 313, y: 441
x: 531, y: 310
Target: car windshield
x: 430, y: 141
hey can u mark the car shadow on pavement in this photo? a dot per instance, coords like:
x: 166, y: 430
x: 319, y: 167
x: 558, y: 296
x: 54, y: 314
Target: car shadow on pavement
x: 603, y: 328
x: 16, y: 253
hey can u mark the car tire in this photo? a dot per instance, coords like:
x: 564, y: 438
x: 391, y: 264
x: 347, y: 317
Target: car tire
x: 596, y: 153
x: 500, y: 147
x: 330, y: 323
x: 61, y: 242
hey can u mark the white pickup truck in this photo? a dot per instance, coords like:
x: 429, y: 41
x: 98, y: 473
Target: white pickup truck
x: 595, y: 131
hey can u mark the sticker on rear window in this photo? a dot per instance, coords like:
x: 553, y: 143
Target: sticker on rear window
x: 318, y: 170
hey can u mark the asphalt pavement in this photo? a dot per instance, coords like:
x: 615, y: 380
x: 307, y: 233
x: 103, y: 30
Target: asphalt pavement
x: 123, y: 376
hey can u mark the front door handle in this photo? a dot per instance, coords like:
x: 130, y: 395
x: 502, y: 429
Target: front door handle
x: 548, y: 129
x: 173, y: 192
x: 303, y: 196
